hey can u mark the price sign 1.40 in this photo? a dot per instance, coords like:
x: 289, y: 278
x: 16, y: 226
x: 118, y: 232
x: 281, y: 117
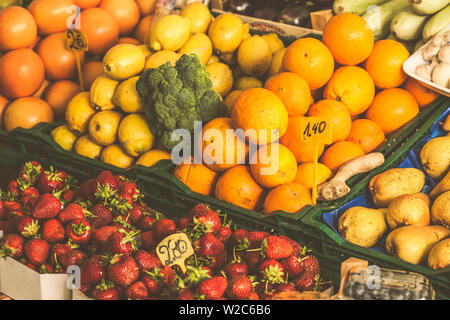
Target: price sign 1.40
x: 315, y: 129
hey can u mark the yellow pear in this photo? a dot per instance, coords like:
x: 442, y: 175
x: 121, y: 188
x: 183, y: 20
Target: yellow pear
x: 86, y: 147
x: 134, y: 135
x: 114, y: 155
x: 64, y: 137
x: 103, y: 127
x: 102, y: 91
x: 127, y: 98
x: 152, y: 157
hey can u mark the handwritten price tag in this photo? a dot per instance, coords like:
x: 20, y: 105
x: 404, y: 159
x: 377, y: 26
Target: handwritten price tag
x: 315, y: 129
x: 174, y: 250
x: 75, y: 40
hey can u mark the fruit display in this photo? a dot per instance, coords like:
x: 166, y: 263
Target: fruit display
x: 51, y: 222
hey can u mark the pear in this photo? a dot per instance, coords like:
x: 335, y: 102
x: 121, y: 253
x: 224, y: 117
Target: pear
x: 435, y: 157
x: 413, y: 244
x: 409, y: 210
x: 443, y: 186
x: 440, y: 211
x: 439, y: 256
x: 103, y: 127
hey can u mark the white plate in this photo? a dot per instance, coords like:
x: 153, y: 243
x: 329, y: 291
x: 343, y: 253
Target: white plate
x: 416, y: 59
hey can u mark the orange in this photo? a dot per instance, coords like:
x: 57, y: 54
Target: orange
x: 261, y: 114
x: 336, y: 114
x: 303, y: 151
x: 52, y: 15
x: 352, y: 86
x: 237, y: 186
x: 197, y: 177
x: 349, y: 38
x: 339, y: 153
x: 101, y: 28
x: 84, y: 4
x: 40, y: 92
x: 289, y: 197
x: 26, y: 113
x: 367, y: 134
x: 422, y: 94
x: 272, y: 165
x: 129, y: 40
x: 141, y: 31
x: 60, y: 63
x: 22, y: 73
x: 385, y: 63
x: 146, y: 6
x: 91, y: 70
x: 311, y: 60
x: 393, y: 108
x: 17, y: 28
x: 59, y: 94
x: 126, y: 12
x: 293, y: 90
x: 221, y: 148
x: 3, y: 104
x: 231, y: 98
x: 305, y: 174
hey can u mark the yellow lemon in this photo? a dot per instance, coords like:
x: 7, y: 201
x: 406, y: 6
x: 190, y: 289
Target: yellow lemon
x: 221, y: 77
x: 114, y: 155
x: 64, y: 137
x: 86, y: 147
x: 230, y: 58
x: 127, y: 98
x: 226, y: 32
x: 79, y: 112
x: 254, y: 56
x: 145, y: 50
x: 123, y: 61
x: 245, y: 83
x: 102, y: 91
x: 231, y: 98
x: 170, y: 32
x: 103, y: 127
x: 159, y: 58
x: 200, y: 45
x: 134, y: 135
x: 273, y: 41
x: 199, y: 16
x: 277, y: 62
x: 152, y: 157
x: 213, y: 59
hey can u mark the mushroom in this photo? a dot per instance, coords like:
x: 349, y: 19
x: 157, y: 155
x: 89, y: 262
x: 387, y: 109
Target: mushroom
x: 430, y: 52
x: 444, y: 54
x: 441, y: 74
x: 424, y: 71
x: 437, y: 40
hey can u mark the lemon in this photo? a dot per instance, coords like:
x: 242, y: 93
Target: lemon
x: 152, y: 157
x: 231, y: 99
x: 86, y: 147
x: 221, y: 77
x: 123, y: 61
x: 277, y: 62
x: 200, y: 45
x: 199, y: 16
x: 64, y: 137
x: 273, y: 41
x: 213, y: 59
x: 230, y: 58
x: 169, y: 33
x: 226, y: 32
x: 102, y: 91
x: 134, y: 135
x: 159, y: 58
x: 145, y: 50
x: 127, y: 98
x: 254, y: 56
x: 103, y: 127
x: 79, y: 112
x: 237, y: 72
x: 245, y: 83
x: 114, y: 155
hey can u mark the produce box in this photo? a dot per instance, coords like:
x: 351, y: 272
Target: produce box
x: 322, y: 224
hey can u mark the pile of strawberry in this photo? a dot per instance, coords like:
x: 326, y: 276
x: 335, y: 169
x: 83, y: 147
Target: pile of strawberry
x: 105, y: 227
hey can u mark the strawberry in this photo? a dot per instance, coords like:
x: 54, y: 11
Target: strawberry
x: 30, y: 192
x: 213, y: 289
x: 164, y: 276
x: 137, y: 291
x: 121, y: 242
x: 100, y: 236
x: 13, y: 188
x: 128, y: 188
x: 72, y: 257
x: 12, y: 246
x: 11, y: 204
x: 305, y: 281
x: 238, y: 236
x: 28, y: 204
x: 51, y: 181
x: 69, y: 196
x: 255, y: 238
x: 277, y: 248
x: 53, y: 231
x: 253, y: 260
x: 73, y: 211
x: 103, y: 216
x: 146, y: 221
x: 47, y: 207
x: 163, y: 228
x: 31, y: 171
x: 209, y: 245
x: 147, y: 261
x: 292, y: 266
x: 36, y: 251
x: 311, y: 264
x: 92, y: 270
x: 285, y: 287
x: 58, y: 249
x: 253, y: 296
x: 183, y: 223
x: 236, y: 268
x: 87, y: 190
x: 295, y: 245
x: 106, y: 177
x: 197, y: 209
x: 272, y: 271
x: 27, y: 227
x: 151, y: 284
x: 186, y: 294
x: 195, y: 275
x: 123, y: 270
x: 136, y: 213
x: 79, y: 231
x: 214, y: 262
x: 2, y: 210
x: 239, y: 287
x: 105, y: 290
x: 46, y: 268
x: 224, y: 234
x: 148, y: 240
x: 209, y: 219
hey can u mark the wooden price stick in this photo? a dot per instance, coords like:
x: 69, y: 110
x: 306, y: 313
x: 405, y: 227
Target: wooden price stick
x: 316, y: 130
x: 175, y: 249
x: 76, y: 40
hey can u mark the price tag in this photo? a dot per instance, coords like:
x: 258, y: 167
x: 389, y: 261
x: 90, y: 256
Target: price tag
x: 76, y: 40
x: 174, y: 250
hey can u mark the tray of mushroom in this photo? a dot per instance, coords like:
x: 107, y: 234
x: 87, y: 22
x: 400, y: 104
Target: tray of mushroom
x: 431, y: 63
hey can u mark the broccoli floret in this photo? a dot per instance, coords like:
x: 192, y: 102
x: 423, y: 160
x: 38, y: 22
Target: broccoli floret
x: 176, y: 97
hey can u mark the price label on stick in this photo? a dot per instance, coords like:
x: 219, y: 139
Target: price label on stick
x: 316, y: 130
x: 76, y: 40
x: 174, y: 250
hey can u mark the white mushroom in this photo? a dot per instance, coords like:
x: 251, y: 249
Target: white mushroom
x: 438, y: 40
x: 430, y: 52
x: 441, y: 74
x: 424, y: 71
x: 444, y: 54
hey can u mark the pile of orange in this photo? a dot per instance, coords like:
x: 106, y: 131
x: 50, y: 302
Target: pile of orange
x: 39, y: 76
x: 347, y: 78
